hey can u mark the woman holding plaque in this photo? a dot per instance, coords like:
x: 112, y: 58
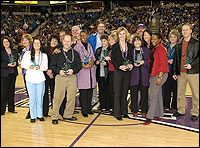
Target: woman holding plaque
x: 35, y: 62
x: 9, y: 73
x: 122, y: 60
x: 139, y: 76
x: 27, y: 41
x: 86, y: 78
x: 101, y: 62
x: 158, y: 69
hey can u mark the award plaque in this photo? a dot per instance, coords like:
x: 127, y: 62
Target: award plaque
x: 34, y: 65
x: 186, y: 61
x: 86, y: 60
x: 126, y: 62
x: 66, y: 67
x: 106, y: 53
x: 101, y: 59
x: 13, y: 59
x: 138, y: 58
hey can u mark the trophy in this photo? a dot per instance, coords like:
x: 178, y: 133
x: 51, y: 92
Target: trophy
x: 186, y: 61
x: 138, y: 58
x: 106, y: 53
x: 35, y: 64
x: 13, y: 59
x: 126, y: 62
x: 101, y: 59
x: 86, y: 60
x: 66, y: 67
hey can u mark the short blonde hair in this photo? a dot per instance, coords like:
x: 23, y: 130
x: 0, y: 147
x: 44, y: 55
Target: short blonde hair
x: 112, y: 36
x: 187, y: 24
x: 174, y: 32
x: 126, y: 32
x: 29, y: 37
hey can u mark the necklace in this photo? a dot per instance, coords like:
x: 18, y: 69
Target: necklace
x: 66, y: 55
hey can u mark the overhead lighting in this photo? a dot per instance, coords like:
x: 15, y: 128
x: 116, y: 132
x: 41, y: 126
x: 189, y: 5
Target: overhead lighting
x: 79, y: 2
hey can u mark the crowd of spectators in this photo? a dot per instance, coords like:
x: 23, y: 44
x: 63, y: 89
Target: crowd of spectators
x: 170, y: 18
x: 12, y: 25
x: 174, y: 17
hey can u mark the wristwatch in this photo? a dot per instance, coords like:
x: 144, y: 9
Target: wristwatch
x: 160, y: 78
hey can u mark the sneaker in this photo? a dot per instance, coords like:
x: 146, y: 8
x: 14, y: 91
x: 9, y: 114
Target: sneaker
x: 147, y: 122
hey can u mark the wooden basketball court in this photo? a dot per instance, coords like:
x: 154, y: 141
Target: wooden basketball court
x: 97, y: 130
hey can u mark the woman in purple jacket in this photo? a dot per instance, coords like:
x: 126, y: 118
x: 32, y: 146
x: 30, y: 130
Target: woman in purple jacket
x: 139, y: 76
x: 86, y: 78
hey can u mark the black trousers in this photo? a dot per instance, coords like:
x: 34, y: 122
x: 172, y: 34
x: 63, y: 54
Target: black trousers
x: 49, y: 83
x: 8, y: 93
x: 121, y: 85
x: 134, y: 98
x: 104, y: 93
x: 85, y: 100
x: 111, y: 89
x: 170, y: 86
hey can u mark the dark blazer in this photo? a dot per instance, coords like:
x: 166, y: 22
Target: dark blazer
x: 47, y: 50
x: 145, y: 70
x: 97, y: 54
x: 4, y: 62
x: 59, y: 59
x: 116, y: 57
x: 192, y: 52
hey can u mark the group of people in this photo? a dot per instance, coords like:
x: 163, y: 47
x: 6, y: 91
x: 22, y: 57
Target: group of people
x: 117, y: 63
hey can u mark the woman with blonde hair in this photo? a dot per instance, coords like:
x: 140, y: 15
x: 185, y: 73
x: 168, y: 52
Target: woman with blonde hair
x: 27, y: 41
x: 170, y: 86
x: 121, y: 58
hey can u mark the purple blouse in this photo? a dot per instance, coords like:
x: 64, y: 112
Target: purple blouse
x: 84, y: 76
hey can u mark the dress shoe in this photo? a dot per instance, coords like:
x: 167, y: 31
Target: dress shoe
x: 76, y: 112
x: 177, y: 114
x: 85, y: 115
x: 72, y: 118
x: 173, y: 110
x: 46, y: 115
x: 91, y: 113
x: 125, y: 116
x: 2, y: 114
x: 28, y: 116
x: 194, y: 118
x: 32, y: 120
x: 144, y: 115
x: 135, y: 114
x: 147, y: 122
x: 41, y: 119
x: 54, y: 121
x: 14, y: 112
x: 119, y: 118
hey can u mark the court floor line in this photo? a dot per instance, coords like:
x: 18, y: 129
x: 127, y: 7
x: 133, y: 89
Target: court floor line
x: 76, y: 140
